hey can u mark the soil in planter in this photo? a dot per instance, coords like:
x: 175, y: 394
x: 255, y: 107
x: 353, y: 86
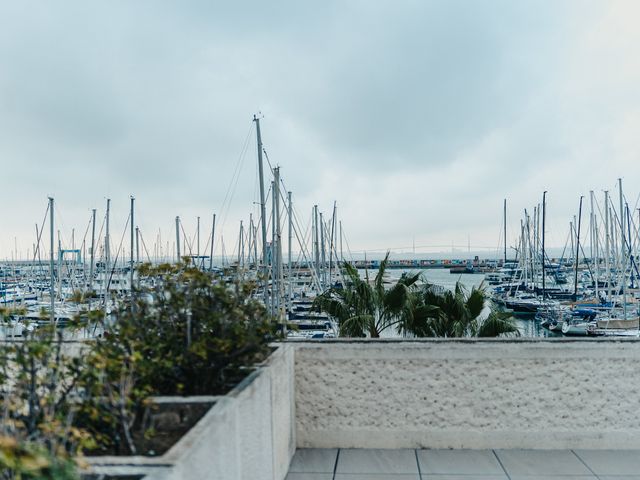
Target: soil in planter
x: 161, y: 426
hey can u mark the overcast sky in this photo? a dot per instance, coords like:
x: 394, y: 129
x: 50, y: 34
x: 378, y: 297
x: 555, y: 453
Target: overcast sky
x: 418, y: 118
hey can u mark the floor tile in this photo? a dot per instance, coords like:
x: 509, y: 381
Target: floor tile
x: 553, y: 477
x: 309, y: 476
x: 378, y: 476
x: 459, y: 462
x: 464, y: 477
x: 541, y: 462
x: 377, y: 461
x: 619, y: 477
x: 314, y: 460
x: 611, y: 462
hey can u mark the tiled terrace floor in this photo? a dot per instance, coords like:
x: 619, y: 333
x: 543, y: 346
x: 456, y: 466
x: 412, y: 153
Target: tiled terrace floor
x: 360, y: 464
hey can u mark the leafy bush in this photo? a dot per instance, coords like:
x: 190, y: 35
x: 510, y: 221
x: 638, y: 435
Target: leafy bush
x: 188, y: 333
x: 192, y: 333
x: 39, y: 378
x: 30, y: 461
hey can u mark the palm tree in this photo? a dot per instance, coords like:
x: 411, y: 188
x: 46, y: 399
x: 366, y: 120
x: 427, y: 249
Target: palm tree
x: 363, y: 308
x: 437, y: 312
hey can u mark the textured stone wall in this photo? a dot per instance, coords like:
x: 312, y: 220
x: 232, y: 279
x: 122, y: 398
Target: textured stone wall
x: 468, y: 394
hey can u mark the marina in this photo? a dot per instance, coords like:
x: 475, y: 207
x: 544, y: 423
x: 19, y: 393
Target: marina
x: 295, y: 261
x: 319, y: 241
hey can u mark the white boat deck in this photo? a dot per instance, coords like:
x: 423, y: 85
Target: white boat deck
x: 408, y: 464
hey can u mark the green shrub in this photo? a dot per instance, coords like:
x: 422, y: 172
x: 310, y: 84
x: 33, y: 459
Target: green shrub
x: 187, y: 333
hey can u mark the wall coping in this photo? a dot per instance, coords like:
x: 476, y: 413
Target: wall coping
x: 505, y: 340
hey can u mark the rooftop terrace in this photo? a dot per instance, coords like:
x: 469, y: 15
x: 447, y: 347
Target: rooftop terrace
x: 422, y: 409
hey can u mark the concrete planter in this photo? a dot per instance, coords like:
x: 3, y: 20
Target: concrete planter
x: 246, y: 434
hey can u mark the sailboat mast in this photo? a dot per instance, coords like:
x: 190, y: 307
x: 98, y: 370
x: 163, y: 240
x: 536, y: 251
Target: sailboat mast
x: 544, y: 219
x: 278, y: 239
x: 623, y: 258
x: 255, y: 246
x: 263, y: 215
x: 289, y: 247
x: 504, y: 219
x: 272, y: 256
x: 93, y: 246
x: 607, y: 246
x: 178, y: 239
x: 240, y: 241
x: 575, y: 282
x: 131, y: 260
x: 107, y: 252
x: 138, y: 246
x: 331, y: 242
x: 213, y: 233
x: 52, y: 292
x: 323, y: 258
x: 595, y: 259
x: 316, y: 249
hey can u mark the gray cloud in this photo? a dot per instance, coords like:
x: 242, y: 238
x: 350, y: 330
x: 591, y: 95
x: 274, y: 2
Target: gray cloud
x: 417, y: 117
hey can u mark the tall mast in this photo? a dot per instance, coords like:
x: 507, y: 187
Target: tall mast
x: 263, y: 215
x: 107, y: 253
x: 630, y: 259
x: 255, y: 245
x: 277, y: 273
x: 178, y: 239
x: 107, y: 239
x: 289, y: 247
x: 316, y: 249
x: 536, y: 233
x: 323, y: 258
x: 544, y: 219
x: 131, y: 260
x: 52, y: 292
x: 504, y: 219
x: 607, y: 246
x: 213, y: 233
x: 250, y: 241
x: 623, y: 258
x: 595, y: 260
x: 138, y: 245
x: 530, y: 249
x: 523, y: 249
x: 240, y: 241
x: 198, y: 242
x: 331, y: 244
x: 272, y: 256
x: 575, y: 280
x: 93, y: 246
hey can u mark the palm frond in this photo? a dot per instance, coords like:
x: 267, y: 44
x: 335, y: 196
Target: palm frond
x: 496, y: 325
x: 475, y: 302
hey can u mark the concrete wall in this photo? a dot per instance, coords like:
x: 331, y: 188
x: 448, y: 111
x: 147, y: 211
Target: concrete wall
x: 247, y: 434
x: 468, y: 394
